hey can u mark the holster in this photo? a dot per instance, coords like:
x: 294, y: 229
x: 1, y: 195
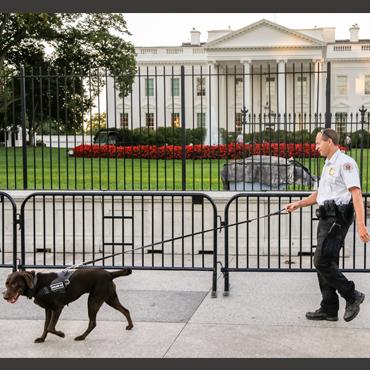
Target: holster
x: 343, y: 212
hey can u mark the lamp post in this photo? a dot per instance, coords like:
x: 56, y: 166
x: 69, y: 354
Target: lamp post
x: 268, y: 113
x: 244, y: 112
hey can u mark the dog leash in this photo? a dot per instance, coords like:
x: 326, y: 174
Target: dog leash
x: 223, y: 225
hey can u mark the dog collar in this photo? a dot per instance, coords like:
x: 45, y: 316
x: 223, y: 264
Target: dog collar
x: 31, y: 292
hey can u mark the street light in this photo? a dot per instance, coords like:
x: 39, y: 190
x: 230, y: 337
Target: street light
x: 268, y: 113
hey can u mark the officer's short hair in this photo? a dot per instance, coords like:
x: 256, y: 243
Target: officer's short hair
x: 329, y: 133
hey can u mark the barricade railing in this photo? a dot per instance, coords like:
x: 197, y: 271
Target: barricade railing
x: 281, y: 242
x: 8, y: 231
x: 166, y: 231
x: 140, y: 230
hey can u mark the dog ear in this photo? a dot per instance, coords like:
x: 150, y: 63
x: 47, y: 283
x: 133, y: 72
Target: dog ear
x: 28, y: 276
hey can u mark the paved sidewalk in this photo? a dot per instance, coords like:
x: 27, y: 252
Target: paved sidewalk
x: 175, y: 316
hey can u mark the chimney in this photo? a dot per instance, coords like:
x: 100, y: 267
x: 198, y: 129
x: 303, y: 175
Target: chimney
x: 195, y: 37
x: 353, y: 31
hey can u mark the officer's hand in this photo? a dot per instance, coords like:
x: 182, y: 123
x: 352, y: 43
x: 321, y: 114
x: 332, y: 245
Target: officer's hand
x: 363, y: 233
x: 291, y: 207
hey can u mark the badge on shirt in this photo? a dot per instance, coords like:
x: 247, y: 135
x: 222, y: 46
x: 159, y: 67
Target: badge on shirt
x: 331, y: 171
x: 348, y: 166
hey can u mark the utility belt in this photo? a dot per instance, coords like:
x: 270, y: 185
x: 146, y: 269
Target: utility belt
x: 330, y: 209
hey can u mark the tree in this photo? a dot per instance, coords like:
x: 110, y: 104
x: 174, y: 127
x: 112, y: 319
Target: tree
x: 68, y: 58
x: 95, y: 123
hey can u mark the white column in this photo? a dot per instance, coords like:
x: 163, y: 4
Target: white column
x: 319, y: 89
x: 221, y: 103
x: 247, y: 85
x: 323, y: 91
x: 212, y: 111
x: 109, y: 104
x: 316, y: 66
x: 281, y: 87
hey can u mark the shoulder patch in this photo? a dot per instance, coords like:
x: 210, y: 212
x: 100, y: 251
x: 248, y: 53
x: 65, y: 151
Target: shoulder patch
x: 348, y: 166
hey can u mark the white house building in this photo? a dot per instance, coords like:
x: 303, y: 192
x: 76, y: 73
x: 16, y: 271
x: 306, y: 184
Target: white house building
x: 271, y: 70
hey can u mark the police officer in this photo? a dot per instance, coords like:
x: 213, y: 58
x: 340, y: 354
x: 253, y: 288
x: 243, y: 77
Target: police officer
x: 338, y: 196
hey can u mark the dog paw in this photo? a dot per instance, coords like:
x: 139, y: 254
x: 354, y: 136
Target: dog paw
x: 80, y: 337
x: 59, y: 334
x: 39, y: 340
x: 129, y: 327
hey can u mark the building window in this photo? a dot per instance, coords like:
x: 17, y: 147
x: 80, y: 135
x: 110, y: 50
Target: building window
x: 367, y: 85
x: 149, y: 87
x: 201, y: 120
x: 301, y: 86
x: 175, y: 82
x: 270, y: 86
x: 124, y: 120
x: 201, y: 86
x: 341, y: 85
x: 175, y: 119
x: 149, y: 120
x: 238, y: 122
x: 340, y: 122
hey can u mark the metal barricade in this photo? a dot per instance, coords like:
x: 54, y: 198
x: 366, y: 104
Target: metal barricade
x: 140, y: 230
x: 279, y: 242
x: 8, y: 231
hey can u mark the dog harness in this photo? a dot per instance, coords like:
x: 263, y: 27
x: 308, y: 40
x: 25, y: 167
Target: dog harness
x: 58, y: 285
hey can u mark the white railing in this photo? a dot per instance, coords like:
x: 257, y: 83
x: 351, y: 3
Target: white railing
x: 61, y: 141
x: 148, y: 51
x: 342, y: 48
x: 175, y: 51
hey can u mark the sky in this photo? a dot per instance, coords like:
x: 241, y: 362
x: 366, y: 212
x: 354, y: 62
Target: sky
x: 172, y: 29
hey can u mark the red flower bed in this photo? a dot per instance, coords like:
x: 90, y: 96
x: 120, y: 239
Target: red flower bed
x: 222, y: 151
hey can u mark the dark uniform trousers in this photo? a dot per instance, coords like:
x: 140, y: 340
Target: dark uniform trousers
x: 326, y: 260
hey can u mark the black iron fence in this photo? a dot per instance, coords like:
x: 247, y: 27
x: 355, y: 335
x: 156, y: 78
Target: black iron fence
x: 174, y: 129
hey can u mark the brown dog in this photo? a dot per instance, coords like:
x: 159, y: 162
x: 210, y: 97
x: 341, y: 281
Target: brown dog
x: 97, y: 282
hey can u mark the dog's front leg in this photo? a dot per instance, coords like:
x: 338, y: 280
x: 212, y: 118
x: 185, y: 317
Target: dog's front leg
x: 53, y: 321
x: 46, y: 325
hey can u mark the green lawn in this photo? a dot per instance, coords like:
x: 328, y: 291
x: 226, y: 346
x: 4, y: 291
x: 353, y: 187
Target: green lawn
x: 53, y: 169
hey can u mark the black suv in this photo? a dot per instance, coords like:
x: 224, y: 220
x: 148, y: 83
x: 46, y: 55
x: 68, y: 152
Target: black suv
x: 110, y: 136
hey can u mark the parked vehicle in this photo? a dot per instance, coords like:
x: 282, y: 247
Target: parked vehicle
x: 110, y: 136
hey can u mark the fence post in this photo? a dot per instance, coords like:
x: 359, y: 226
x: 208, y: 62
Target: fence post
x: 183, y: 129
x: 328, y: 113
x: 362, y: 111
x: 23, y: 122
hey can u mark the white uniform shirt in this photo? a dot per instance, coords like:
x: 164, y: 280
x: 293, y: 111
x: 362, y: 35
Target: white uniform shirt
x: 338, y: 175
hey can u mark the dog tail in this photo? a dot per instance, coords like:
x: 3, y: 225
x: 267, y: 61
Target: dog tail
x: 123, y: 272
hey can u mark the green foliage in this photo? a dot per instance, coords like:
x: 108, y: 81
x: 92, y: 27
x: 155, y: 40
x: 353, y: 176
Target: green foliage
x: 63, y: 54
x: 360, y: 138
x: 272, y: 136
x: 95, y: 123
x: 146, y: 136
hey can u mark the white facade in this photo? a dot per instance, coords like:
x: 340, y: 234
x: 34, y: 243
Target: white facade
x: 266, y: 67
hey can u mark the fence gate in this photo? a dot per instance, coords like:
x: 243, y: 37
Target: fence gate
x: 282, y: 242
x: 8, y: 231
x: 67, y: 228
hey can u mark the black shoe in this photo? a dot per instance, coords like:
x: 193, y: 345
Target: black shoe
x: 320, y: 314
x: 352, y: 309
